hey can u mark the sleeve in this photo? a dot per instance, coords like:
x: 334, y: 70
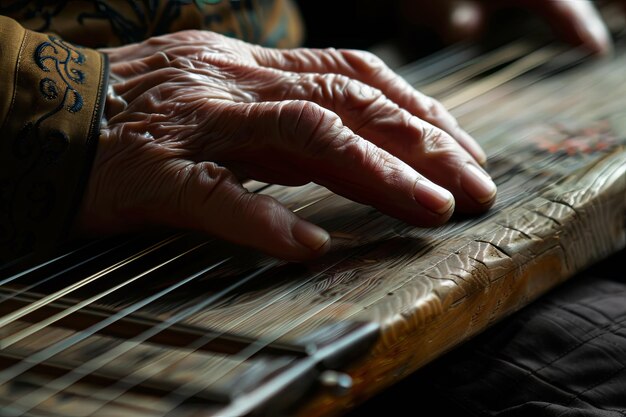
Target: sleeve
x: 106, y: 23
x: 51, y: 103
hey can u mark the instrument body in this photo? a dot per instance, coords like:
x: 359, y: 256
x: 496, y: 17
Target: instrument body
x: 180, y: 324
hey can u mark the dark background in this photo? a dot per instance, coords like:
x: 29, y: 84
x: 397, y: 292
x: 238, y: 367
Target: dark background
x: 376, y: 25
x: 365, y: 25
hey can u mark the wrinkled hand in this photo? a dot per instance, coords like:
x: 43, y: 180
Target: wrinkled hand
x: 575, y: 21
x: 193, y: 113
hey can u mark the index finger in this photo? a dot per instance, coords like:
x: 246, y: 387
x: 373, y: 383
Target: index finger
x: 371, y: 70
x: 304, y: 138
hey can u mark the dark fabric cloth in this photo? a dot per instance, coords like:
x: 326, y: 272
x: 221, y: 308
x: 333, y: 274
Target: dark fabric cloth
x: 564, y: 355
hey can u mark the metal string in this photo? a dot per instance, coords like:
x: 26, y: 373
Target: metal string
x: 43, y: 264
x: 9, y: 318
x: 525, y: 64
x: 189, y: 389
x: 68, y: 379
x: 39, y: 357
x: 33, y: 329
x: 122, y: 386
x: 52, y: 319
x: 13, y: 294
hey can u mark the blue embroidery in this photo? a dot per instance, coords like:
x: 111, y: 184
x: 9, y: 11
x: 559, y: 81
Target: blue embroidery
x: 48, y: 88
x: 64, y: 60
x: 59, y: 56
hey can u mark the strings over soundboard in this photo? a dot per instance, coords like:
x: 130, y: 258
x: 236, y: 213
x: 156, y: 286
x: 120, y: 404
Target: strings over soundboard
x: 181, y: 324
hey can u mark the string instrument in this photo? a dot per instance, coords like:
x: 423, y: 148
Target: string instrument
x: 173, y: 323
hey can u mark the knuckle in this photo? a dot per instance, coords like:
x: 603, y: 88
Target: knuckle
x: 336, y: 82
x: 436, y: 142
x: 207, y: 176
x: 314, y: 128
x: 159, y: 60
x: 280, y: 59
x: 260, y: 206
x: 329, y: 86
x: 365, y: 57
x: 382, y: 163
x: 353, y: 97
x: 306, y: 118
x: 205, y: 187
x: 329, y: 55
x: 433, y: 110
x: 299, y: 59
x: 299, y: 86
x: 364, y: 62
x: 168, y: 73
x: 355, y: 92
x: 356, y: 61
x: 182, y: 63
x: 392, y: 171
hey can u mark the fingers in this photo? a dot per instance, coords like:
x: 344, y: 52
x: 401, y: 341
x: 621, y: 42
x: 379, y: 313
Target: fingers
x: 372, y: 116
x: 305, y: 138
x: 211, y: 199
x: 578, y: 22
x: 361, y: 141
x: 371, y: 70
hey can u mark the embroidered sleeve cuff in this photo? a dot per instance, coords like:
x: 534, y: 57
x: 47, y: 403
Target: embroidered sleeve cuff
x: 51, y: 103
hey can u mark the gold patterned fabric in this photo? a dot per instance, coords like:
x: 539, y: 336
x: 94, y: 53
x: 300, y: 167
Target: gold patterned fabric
x: 51, y: 103
x: 98, y: 23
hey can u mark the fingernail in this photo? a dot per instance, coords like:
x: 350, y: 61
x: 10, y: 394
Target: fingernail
x: 433, y: 197
x: 309, y: 235
x: 478, y: 184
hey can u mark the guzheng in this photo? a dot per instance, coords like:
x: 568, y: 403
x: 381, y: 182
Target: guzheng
x: 180, y: 324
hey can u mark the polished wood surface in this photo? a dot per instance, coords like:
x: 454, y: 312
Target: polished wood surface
x: 561, y: 208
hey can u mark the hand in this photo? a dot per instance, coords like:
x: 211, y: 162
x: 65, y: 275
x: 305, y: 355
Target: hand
x: 192, y: 114
x: 575, y: 21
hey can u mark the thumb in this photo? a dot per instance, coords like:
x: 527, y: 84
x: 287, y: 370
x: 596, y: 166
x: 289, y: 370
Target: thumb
x: 212, y: 200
